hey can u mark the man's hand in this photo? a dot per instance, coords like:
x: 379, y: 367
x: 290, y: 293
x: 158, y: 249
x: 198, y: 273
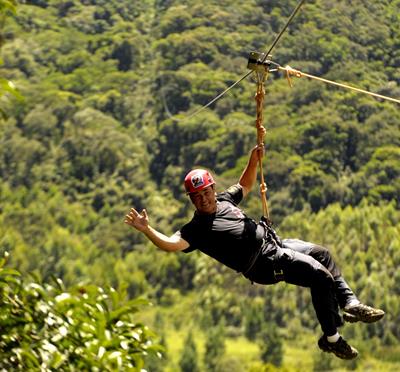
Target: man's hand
x: 140, y: 221
x: 258, y: 151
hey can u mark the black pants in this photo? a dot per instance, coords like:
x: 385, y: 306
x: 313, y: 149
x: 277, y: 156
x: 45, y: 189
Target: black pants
x: 308, y: 265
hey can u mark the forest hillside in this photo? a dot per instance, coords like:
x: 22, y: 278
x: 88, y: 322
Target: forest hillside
x: 104, y: 125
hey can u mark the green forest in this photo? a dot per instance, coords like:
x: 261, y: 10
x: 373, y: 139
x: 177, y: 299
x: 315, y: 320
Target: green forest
x: 96, y: 104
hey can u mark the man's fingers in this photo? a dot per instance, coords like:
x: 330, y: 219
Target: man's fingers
x: 129, y: 219
x: 134, y: 218
x: 134, y: 212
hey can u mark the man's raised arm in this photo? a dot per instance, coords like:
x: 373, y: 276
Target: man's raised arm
x: 140, y: 221
x: 249, y: 175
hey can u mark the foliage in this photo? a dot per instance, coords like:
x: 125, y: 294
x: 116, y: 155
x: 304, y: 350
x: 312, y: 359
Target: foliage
x: 46, y: 327
x: 7, y: 87
x: 214, y: 348
x: 271, y: 345
x: 188, y: 361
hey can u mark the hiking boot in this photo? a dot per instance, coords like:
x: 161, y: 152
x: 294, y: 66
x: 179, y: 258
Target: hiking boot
x: 340, y: 348
x: 362, y: 313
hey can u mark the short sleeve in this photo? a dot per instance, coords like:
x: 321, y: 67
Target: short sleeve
x: 233, y: 194
x: 187, y: 233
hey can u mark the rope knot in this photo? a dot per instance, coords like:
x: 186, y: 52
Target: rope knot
x: 292, y: 72
x: 263, y: 188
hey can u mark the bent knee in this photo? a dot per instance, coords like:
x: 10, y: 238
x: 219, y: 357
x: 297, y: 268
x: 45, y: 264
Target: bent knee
x: 323, y: 277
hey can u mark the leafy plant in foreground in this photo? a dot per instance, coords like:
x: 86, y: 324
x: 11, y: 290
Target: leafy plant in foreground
x: 45, y: 327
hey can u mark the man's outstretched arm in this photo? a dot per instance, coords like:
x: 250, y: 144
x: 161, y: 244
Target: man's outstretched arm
x: 140, y: 221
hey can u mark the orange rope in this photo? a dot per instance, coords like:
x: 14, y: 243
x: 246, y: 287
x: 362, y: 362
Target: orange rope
x: 292, y: 72
x: 259, y: 97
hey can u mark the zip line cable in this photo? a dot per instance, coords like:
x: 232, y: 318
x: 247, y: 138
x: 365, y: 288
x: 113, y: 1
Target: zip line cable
x: 220, y: 95
x: 283, y: 30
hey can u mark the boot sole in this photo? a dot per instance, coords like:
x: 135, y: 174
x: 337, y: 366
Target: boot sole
x: 340, y: 355
x: 350, y: 318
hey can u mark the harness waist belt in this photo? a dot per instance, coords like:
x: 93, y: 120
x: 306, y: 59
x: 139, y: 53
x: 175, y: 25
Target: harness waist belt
x: 269, y: 243
x: 267, y: 248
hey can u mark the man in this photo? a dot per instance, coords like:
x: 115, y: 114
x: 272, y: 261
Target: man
x: 221, y: 230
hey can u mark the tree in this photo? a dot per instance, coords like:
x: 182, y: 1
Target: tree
x: 189, y: 358
x: 253, y: 322
x: 322, y: 362
x: 271, y: 345
x: 215, y: 347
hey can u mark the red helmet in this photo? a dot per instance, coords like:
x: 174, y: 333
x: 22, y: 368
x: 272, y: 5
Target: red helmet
x: 198, y: 179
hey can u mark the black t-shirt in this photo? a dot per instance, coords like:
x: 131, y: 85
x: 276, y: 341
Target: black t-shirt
x: 227, y: 235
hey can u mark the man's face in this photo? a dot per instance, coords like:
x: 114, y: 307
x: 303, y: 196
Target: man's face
x: 204, y: 200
